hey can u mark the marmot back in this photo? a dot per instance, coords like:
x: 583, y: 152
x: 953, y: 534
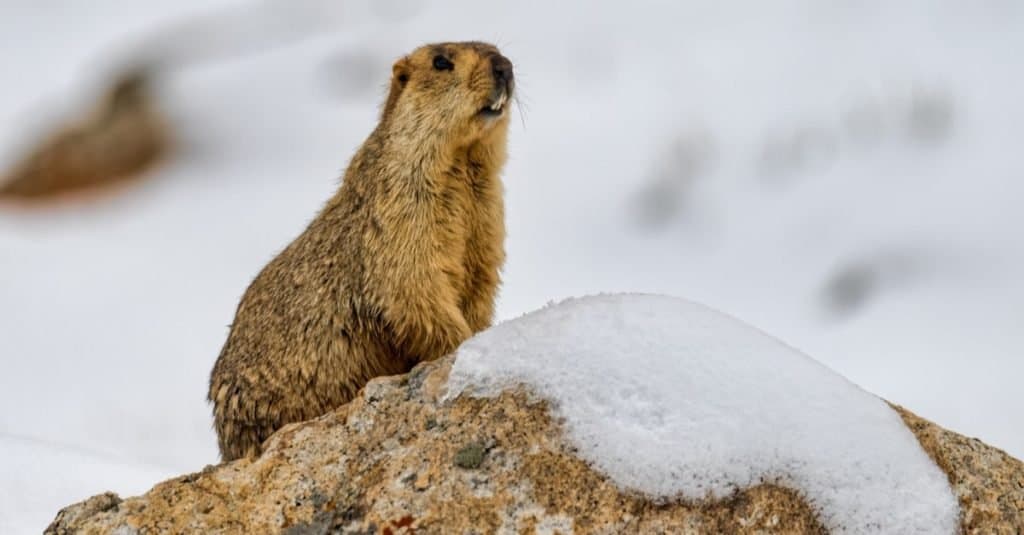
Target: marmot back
x: 400, y: 266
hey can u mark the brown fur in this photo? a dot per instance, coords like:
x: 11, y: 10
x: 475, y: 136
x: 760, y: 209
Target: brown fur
x: 125, y: 136
x: 399, y: 267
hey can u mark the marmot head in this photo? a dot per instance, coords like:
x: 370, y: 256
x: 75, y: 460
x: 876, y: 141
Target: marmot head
x: 462, y: 90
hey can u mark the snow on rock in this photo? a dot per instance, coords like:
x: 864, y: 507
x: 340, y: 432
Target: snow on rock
x: 671, y: 398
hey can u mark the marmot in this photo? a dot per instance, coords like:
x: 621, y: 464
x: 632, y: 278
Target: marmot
x: 125, y: 136
x: 400, y: 266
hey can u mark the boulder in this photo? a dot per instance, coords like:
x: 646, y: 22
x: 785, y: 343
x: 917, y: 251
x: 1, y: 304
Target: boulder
x: 400, y: 459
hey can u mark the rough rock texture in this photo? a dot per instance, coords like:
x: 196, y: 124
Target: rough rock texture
x: 396, y: 460
x: 988, y: 482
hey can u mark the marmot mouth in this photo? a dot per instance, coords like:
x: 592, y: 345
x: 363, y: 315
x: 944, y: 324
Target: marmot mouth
x: 495, y: 108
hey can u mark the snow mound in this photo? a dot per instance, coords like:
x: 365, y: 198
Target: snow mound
x: 671, y: 399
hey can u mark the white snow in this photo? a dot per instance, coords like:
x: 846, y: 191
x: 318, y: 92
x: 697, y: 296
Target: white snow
x: 671, y: 398
x: 802, y: 167
x: 36, y: 474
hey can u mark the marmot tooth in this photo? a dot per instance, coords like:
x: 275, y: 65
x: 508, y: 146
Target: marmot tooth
x: 498, y: 104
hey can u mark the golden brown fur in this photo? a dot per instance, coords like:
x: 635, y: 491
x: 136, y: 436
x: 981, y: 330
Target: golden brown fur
x: 125, y: 136
x: 400, y: 266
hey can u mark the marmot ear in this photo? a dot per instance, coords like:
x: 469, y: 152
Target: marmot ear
x: 400, y: 71
x: 399, y: 78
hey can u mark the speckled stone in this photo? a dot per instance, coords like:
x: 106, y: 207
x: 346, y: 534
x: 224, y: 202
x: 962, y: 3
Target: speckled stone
x: 395, y: 460
x: 988, y: 482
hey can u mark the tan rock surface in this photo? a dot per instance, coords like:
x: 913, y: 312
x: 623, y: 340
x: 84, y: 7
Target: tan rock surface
x: 396, y: 460
x: 988, y: 482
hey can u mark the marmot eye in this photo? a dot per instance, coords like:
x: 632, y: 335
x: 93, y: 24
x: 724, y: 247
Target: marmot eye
x: 441, y: 63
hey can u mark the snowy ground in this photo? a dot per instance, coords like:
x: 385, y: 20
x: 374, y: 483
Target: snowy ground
x: 844, y: 175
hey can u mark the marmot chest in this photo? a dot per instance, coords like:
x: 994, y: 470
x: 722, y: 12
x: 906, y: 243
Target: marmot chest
x: 466, y: 216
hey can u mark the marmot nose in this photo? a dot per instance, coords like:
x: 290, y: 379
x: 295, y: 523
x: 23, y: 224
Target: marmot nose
x: 501, y: 67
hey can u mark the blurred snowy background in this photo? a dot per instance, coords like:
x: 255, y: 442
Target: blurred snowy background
x: 847, y: 176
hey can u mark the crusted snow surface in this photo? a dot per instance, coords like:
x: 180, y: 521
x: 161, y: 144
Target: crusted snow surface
x: 671, y: 398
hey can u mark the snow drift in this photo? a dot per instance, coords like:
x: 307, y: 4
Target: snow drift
x: 672, y: 399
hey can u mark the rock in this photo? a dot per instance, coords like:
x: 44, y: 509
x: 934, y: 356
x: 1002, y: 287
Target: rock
x: 397, y: 460
x: 69, y: 517
x: 988, y: 483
